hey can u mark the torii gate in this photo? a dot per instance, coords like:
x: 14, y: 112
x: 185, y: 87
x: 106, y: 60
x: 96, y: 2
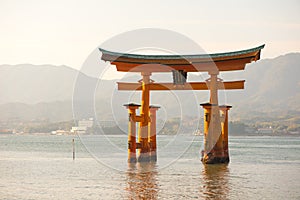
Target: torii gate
x: 215, y: 126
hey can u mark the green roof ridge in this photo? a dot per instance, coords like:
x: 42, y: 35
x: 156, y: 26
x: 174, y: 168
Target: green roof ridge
x: 213, y: 55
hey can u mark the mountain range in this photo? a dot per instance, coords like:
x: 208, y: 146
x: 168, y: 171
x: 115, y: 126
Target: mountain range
x: 59, y: 93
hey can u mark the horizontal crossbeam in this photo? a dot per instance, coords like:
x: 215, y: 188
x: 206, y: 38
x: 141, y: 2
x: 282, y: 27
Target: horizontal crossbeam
x: 229, y: 85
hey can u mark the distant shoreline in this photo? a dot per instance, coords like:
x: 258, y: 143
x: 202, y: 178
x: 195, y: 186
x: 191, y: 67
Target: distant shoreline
x: 118, y: 134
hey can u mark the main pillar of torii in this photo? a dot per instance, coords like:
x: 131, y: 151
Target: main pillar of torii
x: 213, y: 141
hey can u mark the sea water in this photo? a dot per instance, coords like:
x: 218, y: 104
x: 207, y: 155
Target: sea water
x: 42, y: 167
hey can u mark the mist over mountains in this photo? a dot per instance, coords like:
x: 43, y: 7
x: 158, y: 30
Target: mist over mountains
x: 45, y: 92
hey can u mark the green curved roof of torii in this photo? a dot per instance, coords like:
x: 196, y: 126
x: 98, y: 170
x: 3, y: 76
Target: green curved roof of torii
x: 174, y: 57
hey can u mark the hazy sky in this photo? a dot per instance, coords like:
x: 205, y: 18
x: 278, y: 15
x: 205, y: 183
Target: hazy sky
x: 65, y: 32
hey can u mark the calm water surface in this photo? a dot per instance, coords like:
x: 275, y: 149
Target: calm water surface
x: 41, y: 167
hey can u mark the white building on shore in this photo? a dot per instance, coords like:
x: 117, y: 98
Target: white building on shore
x: 83, y: 125
x: 265, y: 130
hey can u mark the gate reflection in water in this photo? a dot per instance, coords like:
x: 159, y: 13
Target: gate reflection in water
x: 142, y: 181
x: 215, y: 181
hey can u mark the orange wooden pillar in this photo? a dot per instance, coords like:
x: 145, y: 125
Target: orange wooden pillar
x: 224, y: 110
x: 152, y: 133
x: 207, y: 116
x: 213, y: 152
x: 132, y: 131
x: 213, y: 148
x: 144, y: 150
x: 210, y: 142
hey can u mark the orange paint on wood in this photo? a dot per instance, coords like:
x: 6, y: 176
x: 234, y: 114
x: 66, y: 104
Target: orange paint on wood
x: 144, y: 151
x: 152, y: 133
x: 227, y: 65
x: 229, y: 85
x: 132, y: 133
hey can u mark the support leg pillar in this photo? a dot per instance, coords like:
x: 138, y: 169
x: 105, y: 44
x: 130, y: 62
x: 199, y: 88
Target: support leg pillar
x: 152, y: 133
x: 224, y: 110
x: 132, y: 132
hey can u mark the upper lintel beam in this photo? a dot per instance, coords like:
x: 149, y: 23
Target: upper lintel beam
x: 228, y: 65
